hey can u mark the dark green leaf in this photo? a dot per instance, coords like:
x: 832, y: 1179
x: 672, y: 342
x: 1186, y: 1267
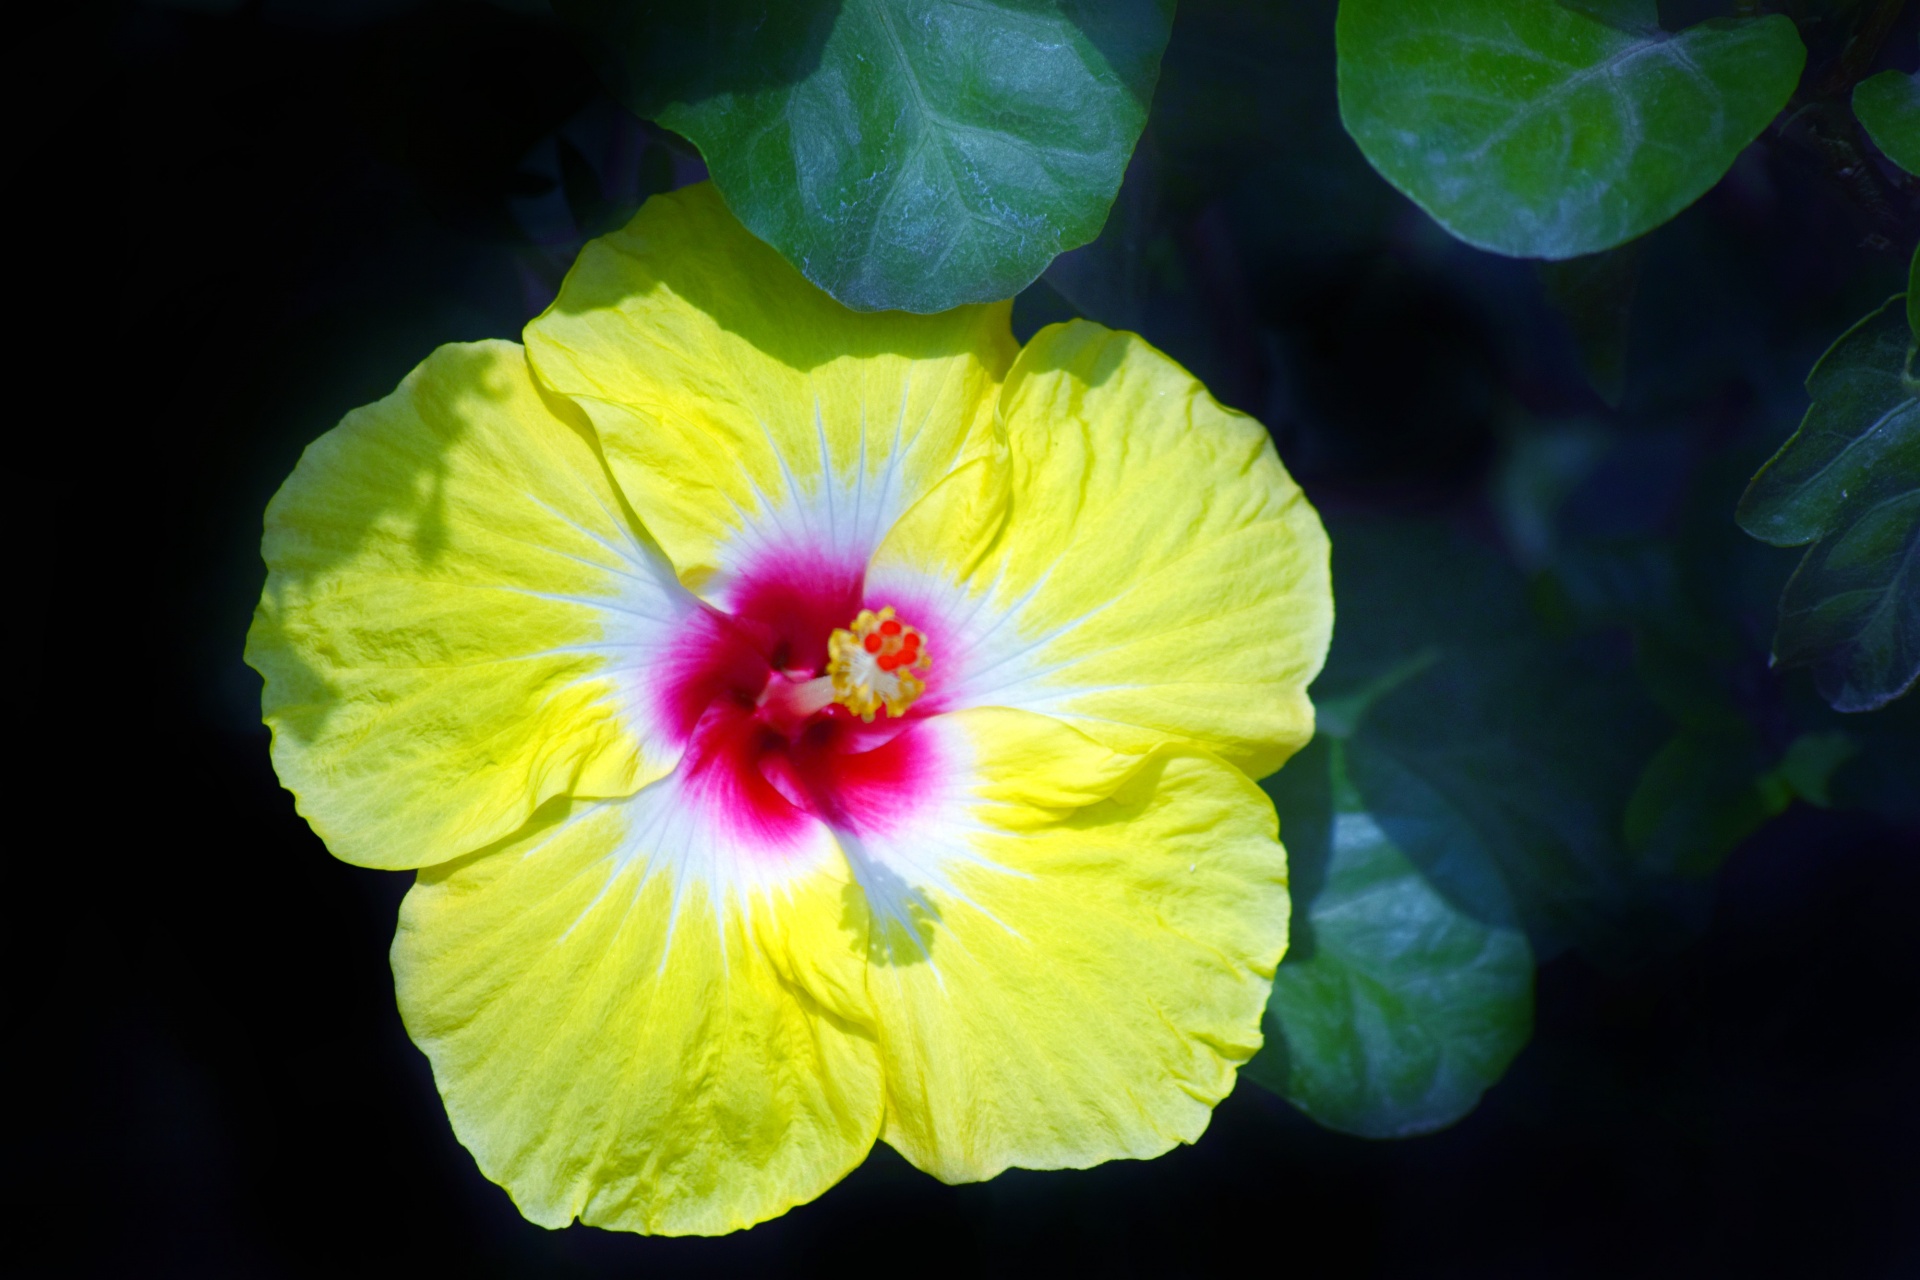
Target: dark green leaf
x: 1852, y: 609
x: 1532, y: 130
x: 1849, y: 482
x: 1861, y: 418
x: 1889, y: 107
x: 911, y: 154
x: 1394, y: 1011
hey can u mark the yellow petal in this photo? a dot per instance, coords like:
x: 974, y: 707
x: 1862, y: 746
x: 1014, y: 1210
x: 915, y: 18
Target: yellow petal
x: 454, y: 612
x: 1158, y: 575
x: 1083, y: 980
x: 746, y: 413
x: 625, y: 1031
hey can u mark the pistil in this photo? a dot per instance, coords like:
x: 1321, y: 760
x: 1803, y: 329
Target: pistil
x: 786, y: 705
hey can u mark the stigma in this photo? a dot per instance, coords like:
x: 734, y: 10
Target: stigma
x: 879, y: 662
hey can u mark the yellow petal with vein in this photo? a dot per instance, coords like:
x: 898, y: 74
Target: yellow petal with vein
x: 1085, y: 986
x: 743, y: 409
x: 454, y: 612
x: 1159, y: 575
x: 641, y: 1063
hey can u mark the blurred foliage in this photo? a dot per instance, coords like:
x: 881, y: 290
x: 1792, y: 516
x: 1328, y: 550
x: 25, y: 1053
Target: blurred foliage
x: 1500, y: 756
x: 1595, y: 293
x: 1529, y: 128
x: 1889, y: 107
x: 913, y: 156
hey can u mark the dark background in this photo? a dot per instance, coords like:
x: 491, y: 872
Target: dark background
x: 234, y: 224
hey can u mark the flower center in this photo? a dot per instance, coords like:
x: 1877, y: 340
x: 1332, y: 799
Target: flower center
x: 880, y: 662
x: 776, y: 702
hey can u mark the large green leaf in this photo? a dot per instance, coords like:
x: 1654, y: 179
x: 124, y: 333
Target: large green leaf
x: 911, y: 154
x: 1533, y: 130
x: 1889, y: 106
x: 1848, y: 481
x: 1394, y: 1010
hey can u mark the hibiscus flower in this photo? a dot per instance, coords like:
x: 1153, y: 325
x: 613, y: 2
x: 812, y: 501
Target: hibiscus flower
x: 807, y: 727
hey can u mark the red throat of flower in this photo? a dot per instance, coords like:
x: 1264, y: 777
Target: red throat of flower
x: 777, y: 704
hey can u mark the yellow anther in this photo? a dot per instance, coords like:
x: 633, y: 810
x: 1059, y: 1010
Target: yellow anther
x: 880, y: 662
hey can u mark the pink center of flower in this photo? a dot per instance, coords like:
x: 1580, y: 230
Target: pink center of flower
x: 799, y: 704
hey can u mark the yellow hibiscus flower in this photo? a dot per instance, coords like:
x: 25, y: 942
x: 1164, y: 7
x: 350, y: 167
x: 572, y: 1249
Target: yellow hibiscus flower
x: 807, y: 727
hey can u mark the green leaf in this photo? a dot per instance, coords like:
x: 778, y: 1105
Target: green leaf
x: 1851, y: 611
x: 1531, y: 130
x: 1848, y: 481
x: 1394, y: 1011
x: 910, y: 154
x: 1888, y: 106
x: 1862, y: 417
